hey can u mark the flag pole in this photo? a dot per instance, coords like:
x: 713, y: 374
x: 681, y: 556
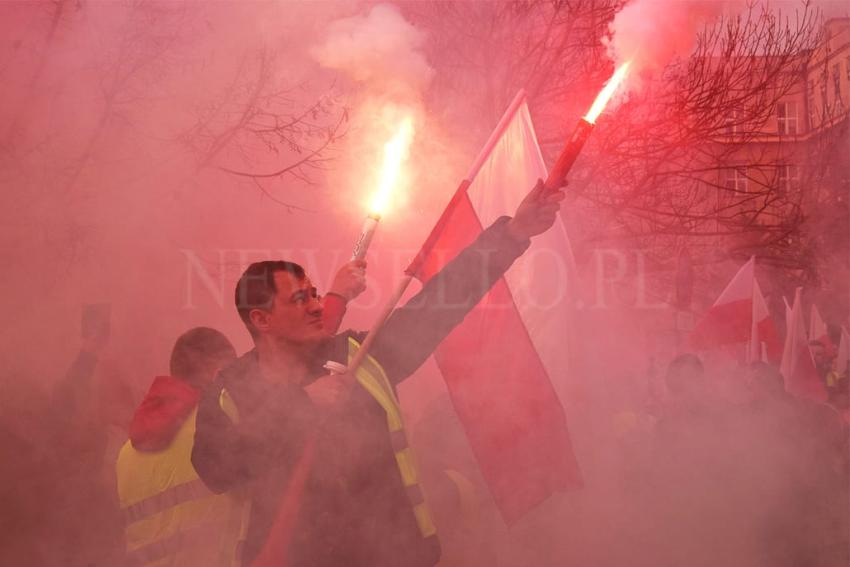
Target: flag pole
x: 363, y: 351
x: 461, y: 190
x: 496, y: 135
x: 417, y: 262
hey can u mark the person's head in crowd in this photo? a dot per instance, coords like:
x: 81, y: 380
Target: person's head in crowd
x: 278, y: 303
x: 685, y: 379
x: 199, y: 354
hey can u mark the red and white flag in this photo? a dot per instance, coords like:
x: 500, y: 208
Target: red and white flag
x: 498, y: 362
x: 739, y: 316
x: 818, y: 332
x: 798, y: 367
x: 817, y: 328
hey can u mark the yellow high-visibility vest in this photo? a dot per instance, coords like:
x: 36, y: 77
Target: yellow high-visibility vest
x: 171, y: 518
x: 371, y: 376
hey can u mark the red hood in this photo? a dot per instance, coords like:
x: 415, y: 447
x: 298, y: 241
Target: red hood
x: 166, y: 405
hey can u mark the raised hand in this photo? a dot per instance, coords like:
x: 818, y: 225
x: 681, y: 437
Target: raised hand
x: 350, y: 280
x: 536, y: 213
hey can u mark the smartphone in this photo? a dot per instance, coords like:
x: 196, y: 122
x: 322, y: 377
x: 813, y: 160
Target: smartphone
x: 96, y: 320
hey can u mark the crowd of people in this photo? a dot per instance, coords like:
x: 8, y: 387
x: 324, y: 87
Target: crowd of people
x: 761, y: 479
x: 277, y: 457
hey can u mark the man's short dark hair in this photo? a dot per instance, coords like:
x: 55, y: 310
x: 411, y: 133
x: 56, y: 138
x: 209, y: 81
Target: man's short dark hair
x: 199, y: 351
x: 256, y: 288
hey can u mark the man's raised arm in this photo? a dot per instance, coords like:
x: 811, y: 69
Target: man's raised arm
x: 220, y: 452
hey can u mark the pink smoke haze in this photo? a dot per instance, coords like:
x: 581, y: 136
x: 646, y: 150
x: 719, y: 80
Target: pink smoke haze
x: 378, y: 48
x: 150, y: 151
x: 651, y: 33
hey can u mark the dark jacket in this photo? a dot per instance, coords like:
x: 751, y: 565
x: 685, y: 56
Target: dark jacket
x: 354, y: 509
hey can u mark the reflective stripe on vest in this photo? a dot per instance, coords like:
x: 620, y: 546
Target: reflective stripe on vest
x: 170, y: 546
x: 371, y: 376
x: 170, y: 523
x: 174, y: 496
x: 228, y: 406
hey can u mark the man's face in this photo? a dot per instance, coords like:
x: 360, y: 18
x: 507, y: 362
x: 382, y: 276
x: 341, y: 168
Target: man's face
x: 296, y: 313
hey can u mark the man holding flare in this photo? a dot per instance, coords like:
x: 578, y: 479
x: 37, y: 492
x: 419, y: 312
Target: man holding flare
x: 325, y: 459
x: 324, y: 456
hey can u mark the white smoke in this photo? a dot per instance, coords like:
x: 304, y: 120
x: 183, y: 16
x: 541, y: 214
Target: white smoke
x: 652, y: 33
x: 379, y: 48
x: 381, y: 54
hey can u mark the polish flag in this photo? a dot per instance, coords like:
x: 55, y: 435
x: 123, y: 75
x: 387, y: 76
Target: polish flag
x: 817, y: 328
x: 798, y: 366
x: 498, y: 362
x: 739, y: 316
x: 818, y: 331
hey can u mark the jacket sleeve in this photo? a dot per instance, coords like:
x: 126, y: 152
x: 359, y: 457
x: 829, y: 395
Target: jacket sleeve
x: 220, y: 454
x: 334, y: 310
x: 413, y: 331
x: 233, y: 448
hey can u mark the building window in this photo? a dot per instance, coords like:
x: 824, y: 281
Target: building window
x: 824, y: 79
x: 788, y: 178
x: 786, y: 118
x: 730, y: 125
x: 836, y: 81
x: 735, y: 179
x: 811, y: 99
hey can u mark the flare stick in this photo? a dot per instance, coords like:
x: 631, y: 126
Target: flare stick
x: 365, y: 238
x: 558, y: 174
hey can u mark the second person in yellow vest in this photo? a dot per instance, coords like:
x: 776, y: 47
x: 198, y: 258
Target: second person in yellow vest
x: 170, y: 517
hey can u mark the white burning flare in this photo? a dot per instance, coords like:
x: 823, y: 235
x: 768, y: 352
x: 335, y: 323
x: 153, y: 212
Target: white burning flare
x: 607, y: 92
x: 396, y: 152
x: 383, y: 55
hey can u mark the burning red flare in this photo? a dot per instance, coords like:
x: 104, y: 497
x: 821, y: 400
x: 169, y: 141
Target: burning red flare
x: 558, y: 174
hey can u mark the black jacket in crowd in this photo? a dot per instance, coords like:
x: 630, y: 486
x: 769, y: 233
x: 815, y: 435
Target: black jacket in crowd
x: 354, y: 509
